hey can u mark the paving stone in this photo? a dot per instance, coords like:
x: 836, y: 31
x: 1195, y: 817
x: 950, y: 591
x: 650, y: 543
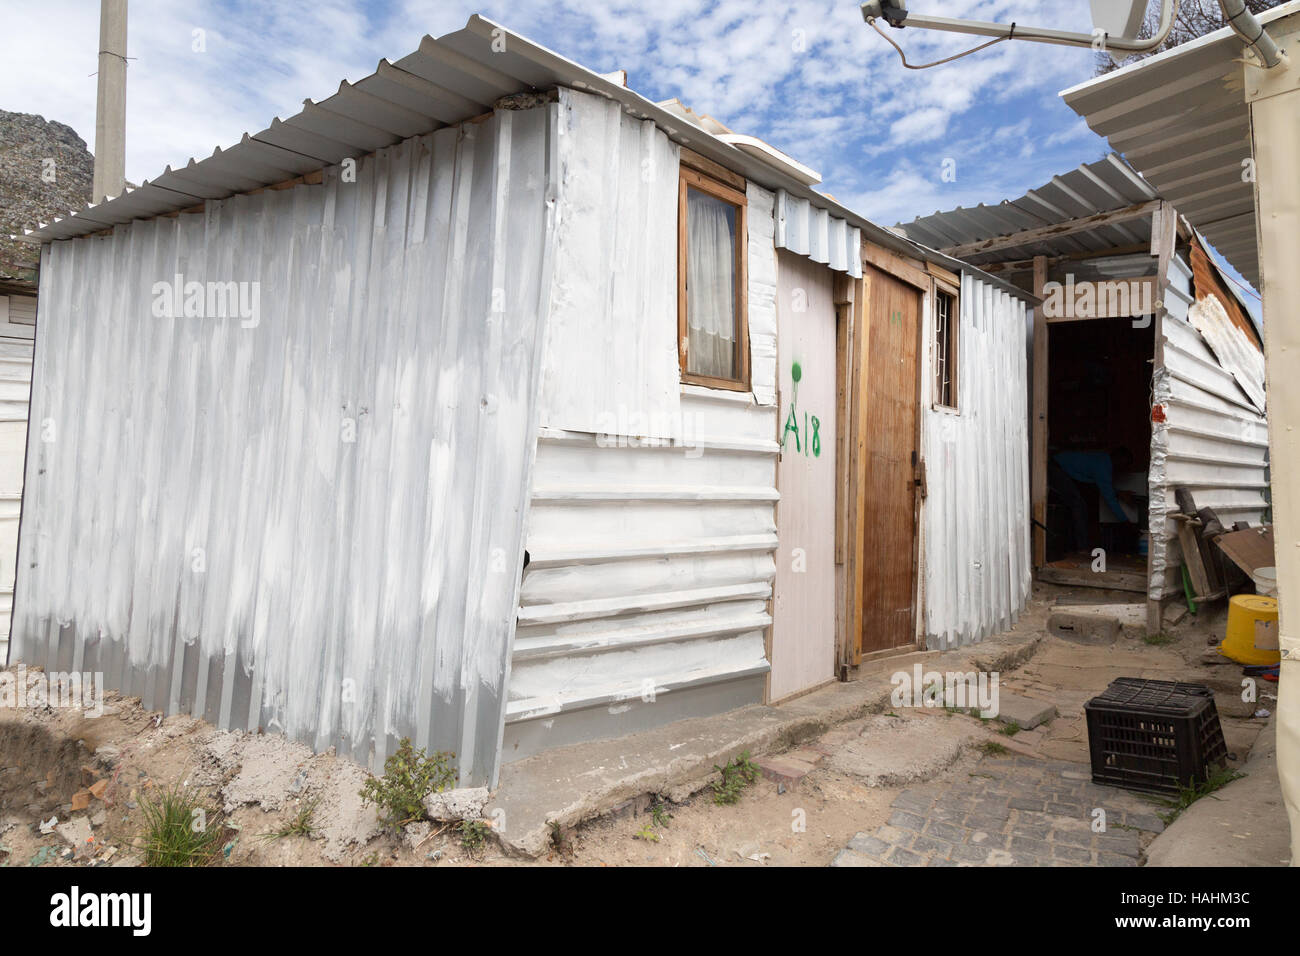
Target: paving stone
x: 1069, y: 807
x: 908, y: 821
x: 782, y: 768
x: 947, y: 815
x: 1145, y: 821
x: 1072, y: 837
x: 903, y: 857
x: 916, y: 800
x: 808, y: 755
x: 1029, y: 845
x: 1115, y: 859
x: 848, y: 857
x: 942, y: 861
x: 945, y: 831
x: 929, y: 845
x: 864, y: 843
x: 1074, y: 854
x: 1025, y: 712
x: 985, y: 821
x: 1027, y: 803
x: 992, y: 808
x: 1125, y: 842
x: 1039, y: 831
x: 895, y: 835
x: 970, y: 853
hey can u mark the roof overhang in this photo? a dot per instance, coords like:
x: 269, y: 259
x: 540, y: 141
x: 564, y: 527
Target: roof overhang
x: 1180, y: 119
x: 1095, y: 208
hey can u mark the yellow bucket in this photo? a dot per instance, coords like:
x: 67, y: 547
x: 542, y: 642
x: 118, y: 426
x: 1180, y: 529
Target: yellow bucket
x: 1252, y: 630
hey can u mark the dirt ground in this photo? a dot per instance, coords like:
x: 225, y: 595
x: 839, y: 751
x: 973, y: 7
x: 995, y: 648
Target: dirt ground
x: 54, y: 758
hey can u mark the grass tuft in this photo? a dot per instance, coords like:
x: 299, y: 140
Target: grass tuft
x: 180, y: 829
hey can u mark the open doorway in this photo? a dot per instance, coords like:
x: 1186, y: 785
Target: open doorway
x: 1099, y: 448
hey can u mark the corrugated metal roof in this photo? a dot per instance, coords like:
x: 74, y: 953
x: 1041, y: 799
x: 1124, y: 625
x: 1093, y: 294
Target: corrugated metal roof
x: 448, y: 80
x: 1180, y: 118
x: 1103, y: 186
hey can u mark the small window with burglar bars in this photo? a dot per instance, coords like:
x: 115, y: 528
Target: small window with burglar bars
x: 945, y: 349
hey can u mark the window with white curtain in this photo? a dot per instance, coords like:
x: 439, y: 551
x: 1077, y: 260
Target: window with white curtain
x: 711, y: 275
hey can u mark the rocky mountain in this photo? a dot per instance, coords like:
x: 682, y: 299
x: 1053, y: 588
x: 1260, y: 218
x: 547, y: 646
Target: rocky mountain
x: 45, y: 170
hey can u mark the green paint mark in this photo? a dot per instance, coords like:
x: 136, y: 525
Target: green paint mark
x: 811, y: 440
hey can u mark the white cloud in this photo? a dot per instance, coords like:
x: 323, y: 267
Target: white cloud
x: 809, y: 76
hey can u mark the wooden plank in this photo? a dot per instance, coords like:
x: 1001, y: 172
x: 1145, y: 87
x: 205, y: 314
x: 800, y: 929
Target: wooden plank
x: 1087, y: 578
x: 890, y: 430
x: 1053, y: 231
x: 1038, y: 473
x: 693, y: 160
x: 1114, y: 307
x: 1188, y: 541
x: 1249, y: 549
x: 911, y: 271
x: 1027, y: 265
x: 860, y: 401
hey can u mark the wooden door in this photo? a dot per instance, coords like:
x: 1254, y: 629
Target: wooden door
x: 891, y: 440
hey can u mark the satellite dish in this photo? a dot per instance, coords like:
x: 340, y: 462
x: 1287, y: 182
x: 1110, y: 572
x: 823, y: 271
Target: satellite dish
x: 1118, y: 18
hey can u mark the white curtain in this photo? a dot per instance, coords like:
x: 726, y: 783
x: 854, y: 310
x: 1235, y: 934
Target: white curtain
x: 710, y: 286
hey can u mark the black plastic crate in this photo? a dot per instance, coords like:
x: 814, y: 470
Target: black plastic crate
x: 1154, y: 735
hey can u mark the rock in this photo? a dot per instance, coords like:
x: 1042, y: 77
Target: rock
x: 75, y: 832
x: 415, y: 833
x: 99, y: 818
x: 464, y: 803
x: 27, y: 145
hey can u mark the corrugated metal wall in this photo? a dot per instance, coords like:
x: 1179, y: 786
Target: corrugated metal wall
x: 645, y: 599
x: 977, y: 567
x: 312, y: 525
x: 1213, y: 441
x: 17, y: 313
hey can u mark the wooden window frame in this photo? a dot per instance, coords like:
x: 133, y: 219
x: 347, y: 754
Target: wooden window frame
x: 693, y: 179
x: 953, y: 355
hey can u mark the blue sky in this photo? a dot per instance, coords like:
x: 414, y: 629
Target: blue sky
x: 808, y: 76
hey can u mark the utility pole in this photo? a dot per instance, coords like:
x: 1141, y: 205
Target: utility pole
x: 110, y: 104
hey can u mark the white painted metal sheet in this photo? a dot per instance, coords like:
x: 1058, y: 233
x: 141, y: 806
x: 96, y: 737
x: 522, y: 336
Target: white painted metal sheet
x: 611, y: 352
x: 977, y: 564
x: 650, y: 559
x: 815, y: 232
x: 309, y: 520
x: 803, y: 627
x: 1212, y: 441
x: 15, y: 385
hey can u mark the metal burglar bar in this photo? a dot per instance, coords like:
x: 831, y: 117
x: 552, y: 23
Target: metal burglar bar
x: 943, y: 351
